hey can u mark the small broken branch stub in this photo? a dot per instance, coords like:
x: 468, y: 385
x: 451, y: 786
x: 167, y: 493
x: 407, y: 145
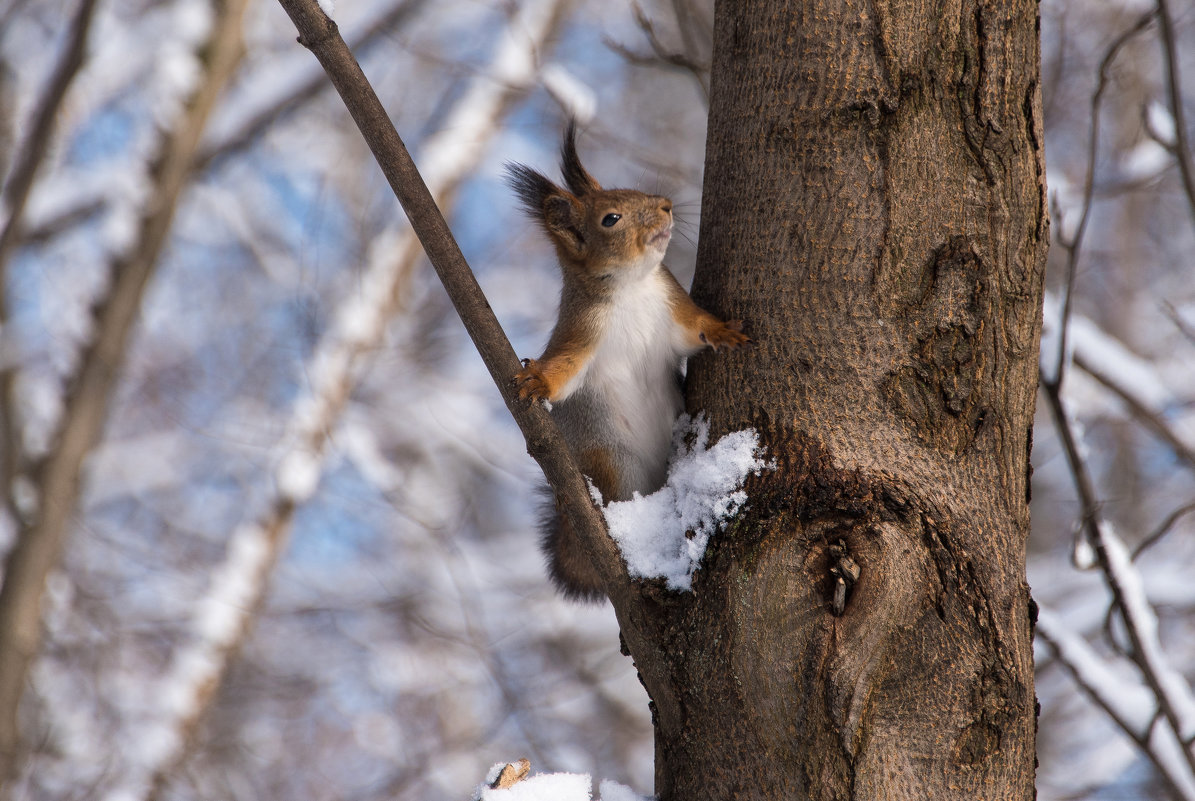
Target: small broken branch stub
x: 845, y: 571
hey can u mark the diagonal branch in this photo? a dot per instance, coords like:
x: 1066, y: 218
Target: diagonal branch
x: 38, y: 138
x: 258, y: 122
x: 1163, y: 528
x: 86, y: 204
x: 1130, y: 704
x: 1174, y: 697
x: 544, y: 442
x: 1139, y: 409
x: 1175, y: 701
x: 239, y: 584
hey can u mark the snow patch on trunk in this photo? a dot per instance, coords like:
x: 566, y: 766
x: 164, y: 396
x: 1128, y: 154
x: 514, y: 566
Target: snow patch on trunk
x: 665, y: 534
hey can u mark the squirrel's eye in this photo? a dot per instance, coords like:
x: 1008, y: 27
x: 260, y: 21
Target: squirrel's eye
x: 609, y: 220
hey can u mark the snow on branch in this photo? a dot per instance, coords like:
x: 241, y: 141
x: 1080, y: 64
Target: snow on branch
x: 571, y: 93
x: 1085, y: 338
x: 1173, y: 696
x: 239, y: 584
x: 1146, y: 389
x: 74, y: 195
x: 17, y: 188
x: 283, y: 85
x: 40, y: 130
x: 1178, y: 702
x: 1130, y: 704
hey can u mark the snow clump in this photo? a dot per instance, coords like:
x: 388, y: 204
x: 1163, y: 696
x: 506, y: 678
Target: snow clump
x: 664, y: 535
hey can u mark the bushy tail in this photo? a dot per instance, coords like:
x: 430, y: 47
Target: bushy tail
x: 571, y: 570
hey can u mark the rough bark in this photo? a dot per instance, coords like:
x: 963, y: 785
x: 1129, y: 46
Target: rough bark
x: 875, y: 210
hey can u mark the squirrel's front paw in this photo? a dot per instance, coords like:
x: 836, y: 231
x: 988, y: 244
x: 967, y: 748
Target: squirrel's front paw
x: 726, y: 335
x: 531, y: 382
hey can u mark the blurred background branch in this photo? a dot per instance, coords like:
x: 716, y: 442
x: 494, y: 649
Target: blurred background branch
x: 42, y: 525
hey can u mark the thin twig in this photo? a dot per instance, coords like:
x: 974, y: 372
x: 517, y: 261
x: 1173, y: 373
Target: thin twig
x: 1108, y: 691
x: 690, y: 17
x: 85, y: 207
x: 40, y: 133
x: 256, y: 125
x: 661, y: 55
x: 1184, y: 328
x: 1145, y: 652
x: 1181, y: 149
x: 1074, y: 245
x: 80, y: 211
x: 23, y: 641
x: 16, y: 194
x: 1150, y: 418
x: 1163, y: 528
x: 1127, y: 595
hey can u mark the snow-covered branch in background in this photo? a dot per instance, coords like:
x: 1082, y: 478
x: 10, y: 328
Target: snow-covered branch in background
x: 1129, y: 703
x: 38, y: 133
x: 1154, y: 393
x: 72, y: 196
x: 359, y: 325
x: 1099, y: 544
x: 188, y: 89
x: 1128, y: 586
x: 574, y: 95
x: 1172, y: 694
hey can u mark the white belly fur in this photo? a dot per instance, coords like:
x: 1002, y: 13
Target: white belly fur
x: 633, y: 374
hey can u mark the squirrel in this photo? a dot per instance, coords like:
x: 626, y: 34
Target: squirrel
x: 612, y: 367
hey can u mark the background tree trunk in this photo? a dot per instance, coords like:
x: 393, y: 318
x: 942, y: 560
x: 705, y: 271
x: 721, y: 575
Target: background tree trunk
x: 874, y: 209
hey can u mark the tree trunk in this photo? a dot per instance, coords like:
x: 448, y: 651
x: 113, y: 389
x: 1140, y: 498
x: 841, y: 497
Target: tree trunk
x: 874, y: 209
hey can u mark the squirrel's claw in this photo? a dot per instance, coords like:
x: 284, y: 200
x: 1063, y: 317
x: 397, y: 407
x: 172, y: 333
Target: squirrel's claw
x: 728, y: 335
x: 530, y: 381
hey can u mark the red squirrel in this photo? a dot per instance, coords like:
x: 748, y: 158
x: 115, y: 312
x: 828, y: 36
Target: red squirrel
x: 611, y: 370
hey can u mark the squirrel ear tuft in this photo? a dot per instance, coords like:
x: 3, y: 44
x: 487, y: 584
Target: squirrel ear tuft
x: 532, y: 188
x: 579, y: 182
x: 557, y: 210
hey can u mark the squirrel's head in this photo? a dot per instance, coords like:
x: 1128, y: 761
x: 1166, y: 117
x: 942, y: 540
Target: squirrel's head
x: 603, y: 233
